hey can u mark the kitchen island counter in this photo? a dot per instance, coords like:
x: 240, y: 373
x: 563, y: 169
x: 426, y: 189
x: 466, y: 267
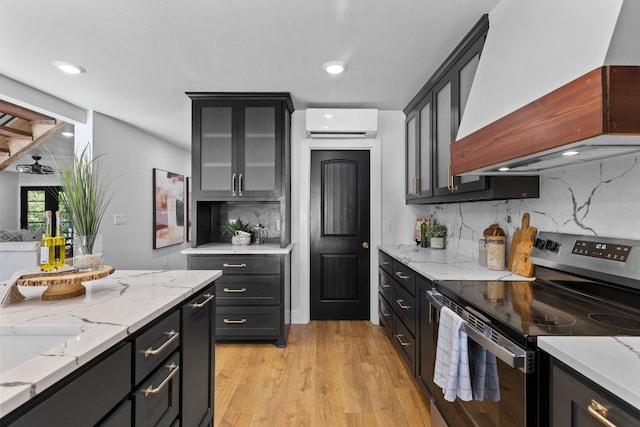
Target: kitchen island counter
x: 611, y: 362
x: 443, y: 264
x: 112, y: 309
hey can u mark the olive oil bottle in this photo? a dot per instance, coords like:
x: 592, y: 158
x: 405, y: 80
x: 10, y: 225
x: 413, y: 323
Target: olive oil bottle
x: 47, y: 245
x: 58, y: 244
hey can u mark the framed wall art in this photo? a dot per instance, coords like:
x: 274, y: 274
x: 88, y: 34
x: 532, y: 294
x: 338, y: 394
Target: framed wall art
x: 168, y: 208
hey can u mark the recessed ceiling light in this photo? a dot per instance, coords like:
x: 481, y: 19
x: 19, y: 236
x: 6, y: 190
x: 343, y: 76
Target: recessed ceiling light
x: 67, y: 134
x: 68, y: 67
x: 570, y: 153
x: 503, y: 169
x: 334, y: 67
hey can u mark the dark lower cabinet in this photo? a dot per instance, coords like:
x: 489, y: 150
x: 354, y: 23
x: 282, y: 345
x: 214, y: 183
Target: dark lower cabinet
x: 156, y: 402
x: 163, y: 375
x: 578, y: 402
x: 85, y: 399
x: 253, y: 296
x: 198, y: 355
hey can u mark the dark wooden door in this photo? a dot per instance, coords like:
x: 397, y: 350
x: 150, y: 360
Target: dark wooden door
x: 339, y: 212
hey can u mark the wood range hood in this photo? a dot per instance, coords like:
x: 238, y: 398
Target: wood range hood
x: 22, y: 130
x: 596, y: 115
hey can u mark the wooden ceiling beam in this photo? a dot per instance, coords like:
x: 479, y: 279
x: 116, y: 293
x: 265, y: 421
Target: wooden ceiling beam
x: 10, y: 132
x: 16, y: 155
x: 23, y: 113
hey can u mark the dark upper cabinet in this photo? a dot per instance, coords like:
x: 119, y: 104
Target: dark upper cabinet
x: 432, y: 121
x: 240, y: 145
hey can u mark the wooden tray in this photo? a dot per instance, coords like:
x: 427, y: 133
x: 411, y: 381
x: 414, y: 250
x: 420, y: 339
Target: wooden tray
x: 64, y: 284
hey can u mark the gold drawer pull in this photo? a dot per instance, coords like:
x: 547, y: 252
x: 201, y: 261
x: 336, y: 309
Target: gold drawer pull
x: 235, y: 291
x: 229, y: 321
x: 385, y: 285
x: 208, y: 297
x: 173, y: 335
x: 173, y: 370
x: 400, y: 338
x: 225, y: 265
x: 385, y: 262
x: 402, y: 306
x: 599, y: 412
x: 385, y: 314
x: 402, y: 276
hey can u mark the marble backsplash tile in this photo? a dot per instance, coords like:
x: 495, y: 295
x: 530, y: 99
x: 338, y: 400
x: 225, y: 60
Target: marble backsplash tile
x: 600, y: 198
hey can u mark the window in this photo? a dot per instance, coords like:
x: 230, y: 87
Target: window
x: 34, y: 201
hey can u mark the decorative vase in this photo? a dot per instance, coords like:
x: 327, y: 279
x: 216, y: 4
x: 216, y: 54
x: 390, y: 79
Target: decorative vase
x: 87, y: 251
x: 436, y: 242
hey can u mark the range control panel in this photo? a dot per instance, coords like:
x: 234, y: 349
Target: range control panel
x: 609, y: 251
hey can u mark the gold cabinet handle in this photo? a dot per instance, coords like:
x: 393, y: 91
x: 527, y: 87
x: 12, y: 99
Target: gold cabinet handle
x: 208, y: 297
x: 451, y: 183
x: 599, y: 412
x: 240, y: 185
x: 225, y: 265
x: 384, y: 313
x: 385, y: 285
x: 233, y: 184
x: 401, y: 305
x: 402, y: 276
x: 173, y: 335
x: 173, y: 370
x: 400, y: 338
x: 234, y: 322
x: 365, y: 245
x: 235, y: 291
x: 385, y: 263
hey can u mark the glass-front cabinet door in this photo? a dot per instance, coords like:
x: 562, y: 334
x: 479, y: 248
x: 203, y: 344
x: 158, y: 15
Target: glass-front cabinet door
x: 240, y: 149
x: 259, y: 150
x: 411, y: 131
x: 443, y: 136
x: 216, y: 149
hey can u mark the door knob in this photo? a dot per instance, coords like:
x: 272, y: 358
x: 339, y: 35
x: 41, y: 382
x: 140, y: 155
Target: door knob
x: 365, y: 245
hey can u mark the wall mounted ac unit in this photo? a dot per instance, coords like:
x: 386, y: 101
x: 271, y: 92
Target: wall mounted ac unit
x: 341, y: 123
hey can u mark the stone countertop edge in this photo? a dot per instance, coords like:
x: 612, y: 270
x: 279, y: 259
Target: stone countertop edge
x: 443, y: 264
x: 229, y: 249
x: 112, y: 309
x: 611, y: 362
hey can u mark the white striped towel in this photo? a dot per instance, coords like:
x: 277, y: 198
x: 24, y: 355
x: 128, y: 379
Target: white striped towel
x: 485, y: 378
x: 452, y: 358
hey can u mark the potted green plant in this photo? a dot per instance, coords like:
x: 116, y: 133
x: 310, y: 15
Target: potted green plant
x: 437, y: 233
x: 87, y: 192
x: 238, y: 231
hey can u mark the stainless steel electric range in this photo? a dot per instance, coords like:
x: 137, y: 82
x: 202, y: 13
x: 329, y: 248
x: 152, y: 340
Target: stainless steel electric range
x: 584, y: 286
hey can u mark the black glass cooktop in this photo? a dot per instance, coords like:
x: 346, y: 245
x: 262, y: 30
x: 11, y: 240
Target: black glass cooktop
x: 539, y: 308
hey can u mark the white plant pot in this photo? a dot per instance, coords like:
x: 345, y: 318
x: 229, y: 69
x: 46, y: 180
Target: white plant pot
x: 437, y: 242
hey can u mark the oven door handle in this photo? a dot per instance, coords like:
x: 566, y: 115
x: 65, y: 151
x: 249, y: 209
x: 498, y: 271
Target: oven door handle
x: 509, y: 353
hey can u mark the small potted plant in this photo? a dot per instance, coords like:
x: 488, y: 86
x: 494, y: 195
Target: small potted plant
x: 437, y: 233
x: 238, y: 231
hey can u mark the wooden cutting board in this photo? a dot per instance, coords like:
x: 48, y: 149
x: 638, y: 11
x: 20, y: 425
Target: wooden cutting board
x: 521, y: 245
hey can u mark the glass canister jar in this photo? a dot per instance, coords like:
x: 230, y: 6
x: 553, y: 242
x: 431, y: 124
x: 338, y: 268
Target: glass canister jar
x: 495, y: 252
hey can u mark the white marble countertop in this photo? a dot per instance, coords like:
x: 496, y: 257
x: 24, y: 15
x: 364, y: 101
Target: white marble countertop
x: 611, y: 362
x: 227, y: 248
x: 443, y: 264
x: 112, y: 309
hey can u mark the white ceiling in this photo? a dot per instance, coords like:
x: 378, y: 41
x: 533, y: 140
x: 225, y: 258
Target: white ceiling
x: 141, y: 56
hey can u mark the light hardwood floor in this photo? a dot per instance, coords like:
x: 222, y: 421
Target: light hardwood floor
x: 332, y: 373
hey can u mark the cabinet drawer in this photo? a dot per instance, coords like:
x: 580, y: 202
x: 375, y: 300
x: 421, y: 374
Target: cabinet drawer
x: 155, y: 345
x: 247, y: 322
x: 156, y: 401
x: 254, y: 290
x: 385, y: 284
x: 385, y: 262
x: 236, y: 264
x: 405, y: 276
x: 404, y: 305
x: 405, y: 342
x: 121, y: 416
x: 385, y: 314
